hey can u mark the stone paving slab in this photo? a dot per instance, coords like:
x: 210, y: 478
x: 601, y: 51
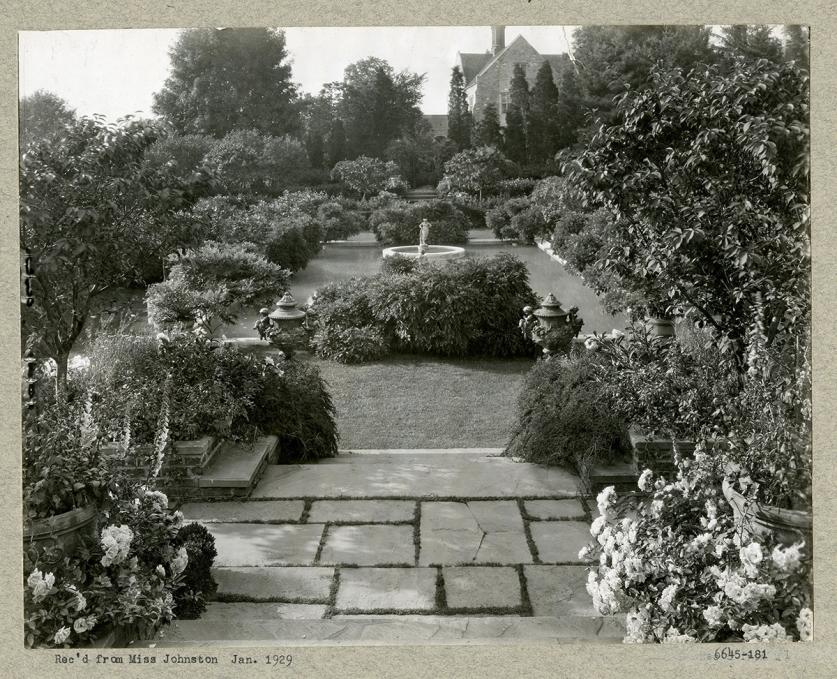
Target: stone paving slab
x: 243, y: 512
x: 370, y: 589
x: 555, y: 509
x: 474, y: 532
x: 220, y: 611
x: 291, y: 583
x: 253, y: 544
x: 367, y: 511
x: 481, y: 587
x: 559, y: 591
x: 560, y: 541
x: 369, y: 545
x: 415, y: 476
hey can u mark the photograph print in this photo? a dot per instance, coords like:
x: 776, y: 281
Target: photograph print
x: 413, y: 335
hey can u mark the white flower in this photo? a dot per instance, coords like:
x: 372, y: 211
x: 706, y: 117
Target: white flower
x: 40, y: 584
x: 605, y: 500
x: 158, y: 498
x: 667, y: 596
x: 699, y: 542
x: 788, y: 559
x: 673, y: 636
x: 597, y: 526
x: 714, y: 616
x: 751, y: 556
x: 761, y: 633
x: 116, y: 541
x: 84, y: 624
x: 656, y: 508
x: 585, y: 552
x: 61, y: 635
x: 179, y: 562
x: 636, y: 626
x: 644, y: 481
x: 160, y: 571
x: 805, y: 624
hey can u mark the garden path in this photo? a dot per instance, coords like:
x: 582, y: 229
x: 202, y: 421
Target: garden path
x: 394, y: 546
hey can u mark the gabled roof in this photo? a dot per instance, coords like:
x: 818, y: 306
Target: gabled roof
x: 473, y: 64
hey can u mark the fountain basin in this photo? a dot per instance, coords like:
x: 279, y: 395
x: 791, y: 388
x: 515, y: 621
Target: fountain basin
x: 434, y: 252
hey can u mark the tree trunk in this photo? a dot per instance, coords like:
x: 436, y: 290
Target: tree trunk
x: 61, y: 375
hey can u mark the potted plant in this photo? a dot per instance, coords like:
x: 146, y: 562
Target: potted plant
x: 64, y: 473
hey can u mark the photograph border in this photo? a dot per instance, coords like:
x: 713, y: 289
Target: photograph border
x: 472, y: 659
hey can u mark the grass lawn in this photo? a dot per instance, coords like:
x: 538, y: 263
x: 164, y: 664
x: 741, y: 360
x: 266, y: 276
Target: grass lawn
x: 418, y: 402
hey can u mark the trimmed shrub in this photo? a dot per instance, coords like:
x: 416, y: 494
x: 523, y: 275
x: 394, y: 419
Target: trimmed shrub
x: 564, y: 417
x: 517, y: 219
x: 197, y: 583
x: 288, y: 246
x: 338, y: 222
x: 398, y: 224
x: 351, y: 345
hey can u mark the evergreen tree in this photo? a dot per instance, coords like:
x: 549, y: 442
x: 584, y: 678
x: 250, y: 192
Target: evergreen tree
x: 542, y: 129
x: 460, y: 122
x: 570, y: 112
x: 42, y: 116
x: 796, y: 45
x: 751, y: 42
x: 229, y: 79
x: 336, y: 147
x: 517, y: 117
x: 489, y: 132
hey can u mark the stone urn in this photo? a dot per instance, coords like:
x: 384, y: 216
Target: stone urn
x: 64, y: 531
x: 661, y: 327
x: 556, y: 327
x: 287, y: 315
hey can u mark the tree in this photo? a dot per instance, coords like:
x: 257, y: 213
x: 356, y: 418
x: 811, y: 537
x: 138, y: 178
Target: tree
x: 750, y: 42
x: 365, y: 176
x: 569, y: 111
x: 612, y: 59
x: 542, y: 130
x: 43, y: 115
x: 706, y: 177
x: 229, y: 79
x: 517, y: 117
x: 475, y: 171
x: 460, y: 122
x: 251, y: 164
x: 336, y: 144
x: 489, y: 132
x: 797, y: 47
x: 86, y: 202
x: 377, y: 105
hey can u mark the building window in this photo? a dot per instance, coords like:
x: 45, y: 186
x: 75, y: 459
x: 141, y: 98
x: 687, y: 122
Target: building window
x: 504, y: 102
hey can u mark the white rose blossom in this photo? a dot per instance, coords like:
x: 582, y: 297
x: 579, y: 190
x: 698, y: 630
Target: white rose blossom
x: 751, y: 556
x: 714, y: 615
x: 805, y: 624
x: 763, y: 633
x: 116, y: 541
x: 40, y: 584
x: 787, y: 560
x: 644, y: 481
x: 61, y: 635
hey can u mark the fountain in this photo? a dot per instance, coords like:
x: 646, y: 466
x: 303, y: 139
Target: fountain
x: 423, y: 250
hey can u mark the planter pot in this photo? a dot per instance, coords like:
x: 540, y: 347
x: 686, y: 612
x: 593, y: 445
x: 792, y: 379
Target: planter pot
x: 661, y: 327
x: 63, y: 530
x: 757, y: 519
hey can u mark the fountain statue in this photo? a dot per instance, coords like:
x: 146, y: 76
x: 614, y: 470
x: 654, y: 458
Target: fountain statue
x: 424, y: 249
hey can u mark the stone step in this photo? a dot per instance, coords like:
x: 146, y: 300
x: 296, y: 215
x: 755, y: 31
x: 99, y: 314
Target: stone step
x: 400, y: 455
x: 239, y: 465
x: 246, y: 631
x: 419, y: 476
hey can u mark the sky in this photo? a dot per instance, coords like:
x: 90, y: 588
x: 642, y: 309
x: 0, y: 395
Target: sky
x: 116, y: 72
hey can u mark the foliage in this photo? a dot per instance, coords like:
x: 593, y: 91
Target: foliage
x: 126, y: 578
x: 357, y: 344
x: 185, y: 152
x: 724, y: 158
x: 92, y: 217
x: 288, y: 341
x: 564, y: 416
x: 376, y: 105
x: 682, y: 571
x: 797, y: 46
x: 752, y: 42
x: 398, y: 224
x: 229, y: 79
x: 197, y: 584
x: 517, y: 219
x: 488, y: 131
x: 463, y: 308
x: 338, y: 223
x: 293, y: 242
x: 43, y: 115
x: 475, y: 171
x: 208, y: 285
x: 365, y: 176
x: 460, y: 122
x: 399, y: 264
x: 63, y: 465
x: 543, y: 128
x: 515, y: 142
x: 249, y: 163
x: 671, y: 388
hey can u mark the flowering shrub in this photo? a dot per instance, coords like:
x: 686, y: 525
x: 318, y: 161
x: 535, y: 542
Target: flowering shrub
x: 198, y: 583
x: 127, y: 577
x: 682, y: 571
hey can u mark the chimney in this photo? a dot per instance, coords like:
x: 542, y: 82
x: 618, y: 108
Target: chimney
x: 498, y: 39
